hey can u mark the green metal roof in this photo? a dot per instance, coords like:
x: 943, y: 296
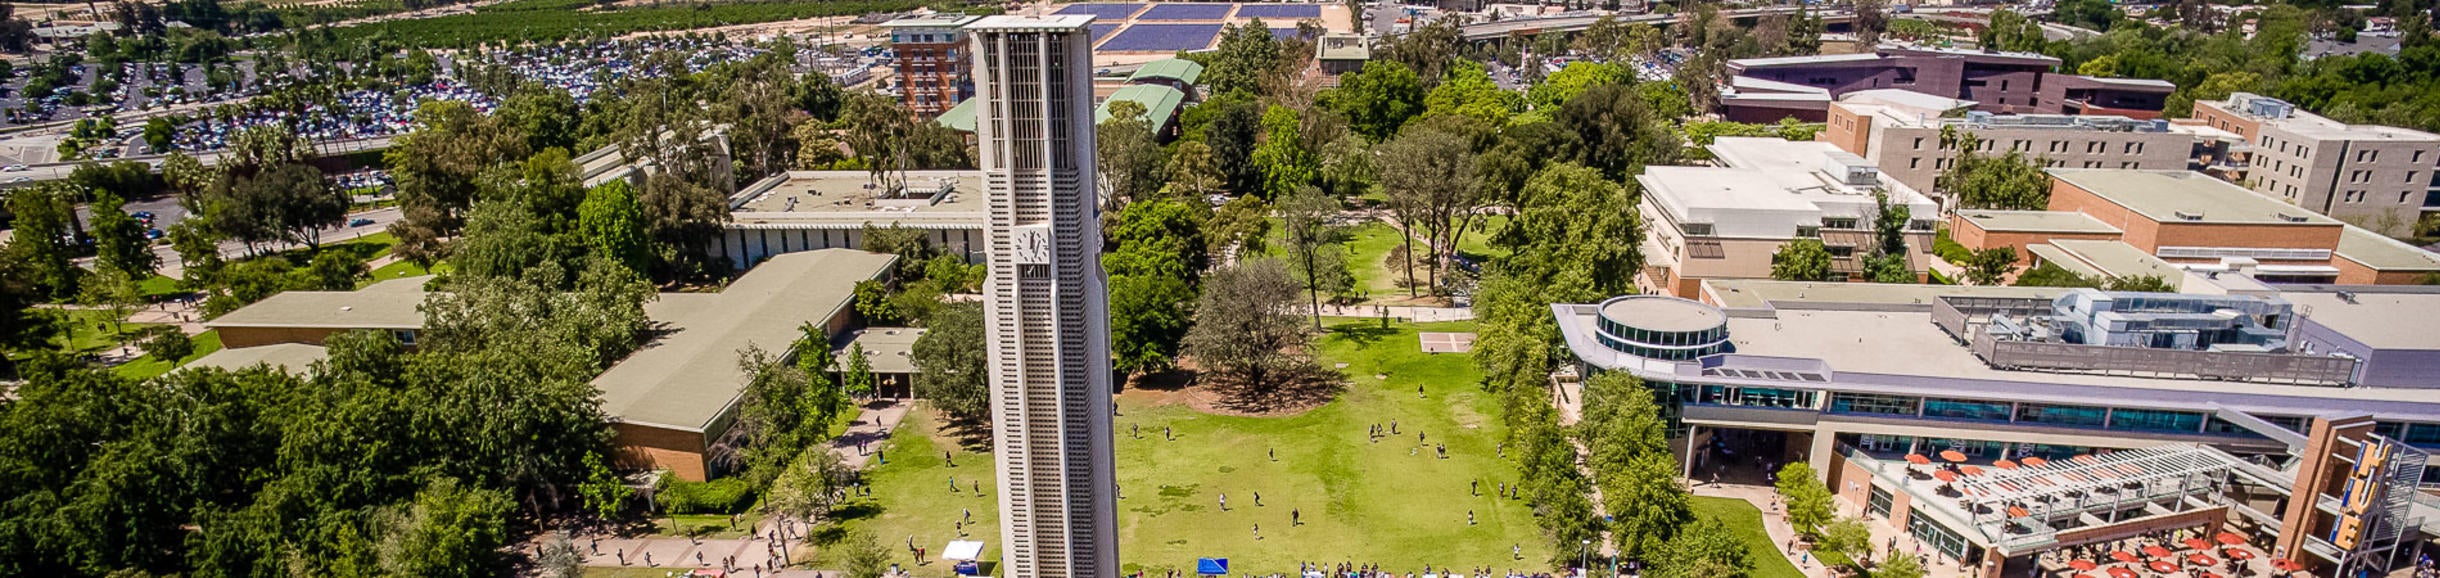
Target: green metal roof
x: 960, y: 117
x: 1160, y: 103
x: 1178, y: 69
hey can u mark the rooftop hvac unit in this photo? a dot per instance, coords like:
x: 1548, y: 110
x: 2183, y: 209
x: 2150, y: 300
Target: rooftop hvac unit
x: 1851, y: 170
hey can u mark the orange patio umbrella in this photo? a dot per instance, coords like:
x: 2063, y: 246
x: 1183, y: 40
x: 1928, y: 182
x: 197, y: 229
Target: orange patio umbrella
x: 2156, y: 551
x: 2287, y: 565
x: 1918, y: 459
x: 2201, y: 560
x: 2035, y: 462
x: 2018, y: 512
x: 1952, y: 455
x: 1945, y: 475
x: 1970, y: 470
x: 2005, y: 464
x: 2162, y: 566
x: 2085, y: 459
x: 2122, y: 572
x: 2230, y: 538
x: 2238, y: 553
x: 2197, y: 544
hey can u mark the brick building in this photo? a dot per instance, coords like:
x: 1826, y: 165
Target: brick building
x: 1899, y: 131
x: 932, y: 64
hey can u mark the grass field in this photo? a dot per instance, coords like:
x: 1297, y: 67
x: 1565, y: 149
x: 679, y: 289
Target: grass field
x: 1369, y: 247
x: 85, y: 330
x: 146, y: 366
x: 1359, y: 501
x: 1742, y: 517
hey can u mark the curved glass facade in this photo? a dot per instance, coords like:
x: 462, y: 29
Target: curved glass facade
x: 1655, y: 344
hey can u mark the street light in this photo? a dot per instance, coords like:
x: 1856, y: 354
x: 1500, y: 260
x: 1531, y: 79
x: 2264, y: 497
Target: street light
x: 1582, y: 555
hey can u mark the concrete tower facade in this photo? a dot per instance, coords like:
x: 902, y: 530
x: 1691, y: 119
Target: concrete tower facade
x: 1046, y: 309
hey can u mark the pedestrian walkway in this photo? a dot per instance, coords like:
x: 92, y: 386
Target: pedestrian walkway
x: 1401, y: 312
x: 1775, y: 523
x: 774, y: 543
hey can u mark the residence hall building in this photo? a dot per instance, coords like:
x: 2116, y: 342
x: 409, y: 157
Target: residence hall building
x: 933, y: 65
x: 670, y: 402
x: 1851, y: 377
x: 1768, y: 89
x: 2376, y: 177
x: 1725, y: 222
x: 1899, y: 131
x: 2197, y: 223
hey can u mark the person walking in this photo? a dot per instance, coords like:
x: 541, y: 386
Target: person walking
x: 1224, y: 502
x: 1295, y: 518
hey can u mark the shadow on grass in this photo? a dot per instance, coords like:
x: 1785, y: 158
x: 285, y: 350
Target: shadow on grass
x: 970, y: 435
x: 1289, y: 390
x: 1362, y: 332
x: 1171, y: 380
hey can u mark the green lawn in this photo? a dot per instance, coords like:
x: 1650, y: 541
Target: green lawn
x: 84, y: 330
x: 146, y: 366
x: 1359, y: 500
x: 157, y: 287
x: 399, y: 270
x: 1742, y: 517
x: 1369, y: 246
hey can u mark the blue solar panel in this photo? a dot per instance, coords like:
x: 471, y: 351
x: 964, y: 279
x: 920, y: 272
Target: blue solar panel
x: 1103, y: 12
x: 1101, y: 31
x: 1289, y: 11
x: 1186, y: 12
x: 1163, y: 37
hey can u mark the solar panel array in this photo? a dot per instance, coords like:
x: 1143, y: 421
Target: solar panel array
x: 1106, y: 12
x: 1187, y: 12
x: 1162, y: 37
x: 1277, y: 11
x: 1101, y: 31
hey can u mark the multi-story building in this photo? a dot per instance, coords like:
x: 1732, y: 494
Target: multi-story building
x: 932, y: 65
x: 1725, y: 222
x: 1045, y: 306
x: 1980, y: 420
x: 2377, y: 177
x: 1900, y: 132
x: 1998, y: 82
x: 2193, y: 222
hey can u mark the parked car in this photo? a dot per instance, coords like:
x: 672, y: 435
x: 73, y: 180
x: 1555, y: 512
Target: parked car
x: 359, y: 222
x: 152, y: 234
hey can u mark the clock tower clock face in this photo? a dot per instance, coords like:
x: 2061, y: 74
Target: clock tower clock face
x: 1031, y: 244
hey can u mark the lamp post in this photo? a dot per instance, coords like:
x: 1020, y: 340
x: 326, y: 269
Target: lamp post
x: 1582, y: 555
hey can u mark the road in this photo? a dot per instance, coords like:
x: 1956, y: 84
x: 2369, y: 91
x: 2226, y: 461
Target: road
x: 57, y: 171
x: 172, y: 267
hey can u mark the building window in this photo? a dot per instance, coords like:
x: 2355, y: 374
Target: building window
x: 1875, y: 404
x: 2418, y: 158
x: 1918, y: 143
x: 1841, y: 223
x: 1698, y: 229
x: 1966, y: 409
x: 2155, y: 420
x: 2066, y: 415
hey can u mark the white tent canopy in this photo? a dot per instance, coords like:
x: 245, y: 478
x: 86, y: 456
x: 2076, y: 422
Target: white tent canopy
x: 962, y: 550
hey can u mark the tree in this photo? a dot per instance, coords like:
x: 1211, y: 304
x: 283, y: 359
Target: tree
x: 1573, y: 80
x: 611, y: 223
x: 1149, y: 316
x: 603, y: 493
x: 1808, y: 501
x: 1429, y: 174
x: 2052, y: 275
x: 1127, y: 159
x: 952, y: 370
x: 808, y: 490
x: 864, y: 555
x: 448, y: 530
x: 1235, y: 130
x: 1990, y: 266
x: 1899, y: 567
x: 1193, y: 173
x: 1631, y: 463
x: 1801, y: 260
x: 2007, y: 182
x: 44, y: 238
x: 1619, y: 132
x: 2012, y: 32
x: 1871, y: 19
x: 436, y: 167
x: 1308, y: 220
x: 858, y: 379
x: 1283, y: 159
x: 1378, y: 99
x: 1246, y: 333
x: 1468, y: 91
x: 1848, y: 537
x: 1706, y: 549
x: 119, y: 241
x: 546, y: 117
x: 1245, y: 58
x: 1428, y: 50
x: 169, y: 344
x: 1889, y: 261
x: 2140, y: 283
x: 560, y: 558
x: 1566, y: 219
x: 785, y: 407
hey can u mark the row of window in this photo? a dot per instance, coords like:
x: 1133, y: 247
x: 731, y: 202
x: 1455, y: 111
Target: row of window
x: 2056, y: 146
x: 2096, y: 417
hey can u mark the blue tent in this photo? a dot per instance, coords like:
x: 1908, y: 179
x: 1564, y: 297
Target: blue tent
x: 1211, y: 566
